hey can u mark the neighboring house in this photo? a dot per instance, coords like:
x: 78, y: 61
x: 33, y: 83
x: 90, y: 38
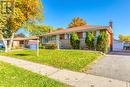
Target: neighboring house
x: 62, y: 37
x: 21, y: 42
x: 121, y: 45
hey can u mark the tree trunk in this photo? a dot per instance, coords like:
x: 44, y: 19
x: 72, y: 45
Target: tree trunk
x: 5, y: 44
x: 11, y: 42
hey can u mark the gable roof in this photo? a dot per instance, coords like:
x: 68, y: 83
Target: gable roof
x: 79, y: 29
x: 22, y: 38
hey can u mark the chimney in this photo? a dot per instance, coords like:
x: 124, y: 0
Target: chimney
x: 111, y: 24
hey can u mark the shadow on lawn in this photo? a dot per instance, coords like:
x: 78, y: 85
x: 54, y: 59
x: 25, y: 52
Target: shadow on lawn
x: 22, y: 54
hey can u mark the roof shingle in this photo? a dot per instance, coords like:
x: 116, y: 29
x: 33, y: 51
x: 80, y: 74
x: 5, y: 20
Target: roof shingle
x: 78, y: 29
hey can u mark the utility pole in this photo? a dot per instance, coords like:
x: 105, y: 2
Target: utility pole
x: 37, y: 46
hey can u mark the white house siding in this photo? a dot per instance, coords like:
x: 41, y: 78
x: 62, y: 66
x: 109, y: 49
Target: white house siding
x: 84, y: 34
x: 118, y: 45
x: 58, y: 41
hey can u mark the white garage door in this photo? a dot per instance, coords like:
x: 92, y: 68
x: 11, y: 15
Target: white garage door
x: 117, y: 46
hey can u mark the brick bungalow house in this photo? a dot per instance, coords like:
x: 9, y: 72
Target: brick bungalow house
x: 21, y: 42
x: 62, y: 37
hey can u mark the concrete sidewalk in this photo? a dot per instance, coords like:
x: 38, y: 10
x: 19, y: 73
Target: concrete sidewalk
x: 75, y: 79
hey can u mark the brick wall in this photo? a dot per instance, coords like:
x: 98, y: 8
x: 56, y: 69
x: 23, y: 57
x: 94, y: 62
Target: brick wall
x: 65, y: 44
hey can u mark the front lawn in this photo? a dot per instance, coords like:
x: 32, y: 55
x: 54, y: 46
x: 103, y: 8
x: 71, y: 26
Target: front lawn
x: 11, y: 76
x: 75, y: 60
x: 2, y: 48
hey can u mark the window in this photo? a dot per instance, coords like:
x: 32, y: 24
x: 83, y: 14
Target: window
x: 68, y: 36
x: 45, y: 40
x: 21, y: 42
x: 62, y: 36
x: 54, y: 38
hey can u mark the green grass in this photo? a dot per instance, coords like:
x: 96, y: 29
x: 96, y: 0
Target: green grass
x: 11, y: 76
x: 2, y: 48
x: 75, y: 60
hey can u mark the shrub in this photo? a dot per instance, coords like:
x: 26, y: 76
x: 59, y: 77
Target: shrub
x: 41, y: 46
x: 102, y: 42
x: 51, y: 46
x: 89, y: 40
x: 74, y: 41
x: 16, y: 47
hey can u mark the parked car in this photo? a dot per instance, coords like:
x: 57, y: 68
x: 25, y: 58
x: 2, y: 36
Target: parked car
x: 1, y: 45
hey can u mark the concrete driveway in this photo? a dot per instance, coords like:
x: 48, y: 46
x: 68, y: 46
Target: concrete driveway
x: 116, y: 65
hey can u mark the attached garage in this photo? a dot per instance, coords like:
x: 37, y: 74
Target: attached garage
x: 118, y: 45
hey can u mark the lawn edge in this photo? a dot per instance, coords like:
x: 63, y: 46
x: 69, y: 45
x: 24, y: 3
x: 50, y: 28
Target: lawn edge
x: 89, y: 66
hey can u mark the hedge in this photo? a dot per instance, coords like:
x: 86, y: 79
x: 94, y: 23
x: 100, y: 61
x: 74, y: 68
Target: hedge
x: 74, y: 41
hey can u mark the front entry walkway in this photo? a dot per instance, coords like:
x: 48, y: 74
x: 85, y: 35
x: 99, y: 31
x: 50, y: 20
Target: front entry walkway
x: 75, y: 79
x: 116, y: 65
